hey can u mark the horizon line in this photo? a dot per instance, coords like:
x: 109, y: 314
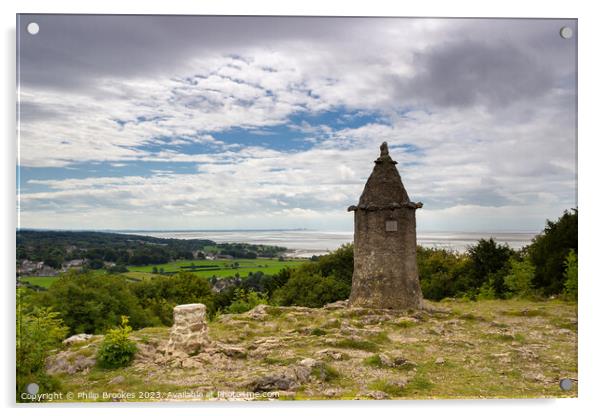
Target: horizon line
x: 125, y: 230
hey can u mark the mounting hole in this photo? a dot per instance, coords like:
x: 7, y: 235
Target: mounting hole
x: 566, y: 384
x: 33, y: 28
x: 566, y: 32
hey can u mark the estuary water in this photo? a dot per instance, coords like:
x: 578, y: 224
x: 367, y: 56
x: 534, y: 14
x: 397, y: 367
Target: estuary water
x: 305, y: 243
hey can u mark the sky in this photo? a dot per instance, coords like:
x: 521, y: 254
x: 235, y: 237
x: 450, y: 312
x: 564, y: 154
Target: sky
x: 205, y: 122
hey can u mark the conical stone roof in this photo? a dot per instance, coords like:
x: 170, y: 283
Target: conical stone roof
x: 384, y: 189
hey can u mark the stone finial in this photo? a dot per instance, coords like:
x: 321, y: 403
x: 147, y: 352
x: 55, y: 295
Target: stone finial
x: 384, y: 149
x: 188, y: 333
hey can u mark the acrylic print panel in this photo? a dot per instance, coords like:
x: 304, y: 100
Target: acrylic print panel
x: 270, y: 208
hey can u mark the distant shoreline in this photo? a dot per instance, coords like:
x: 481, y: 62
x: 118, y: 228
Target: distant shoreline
x: 306, y: 243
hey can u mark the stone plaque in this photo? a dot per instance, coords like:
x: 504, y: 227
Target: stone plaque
x: 390, y: 225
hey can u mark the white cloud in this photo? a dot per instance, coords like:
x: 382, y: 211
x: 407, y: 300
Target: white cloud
x: 476, y: 151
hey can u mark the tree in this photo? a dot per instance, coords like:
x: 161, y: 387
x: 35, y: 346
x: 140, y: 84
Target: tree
x: 549, y: 250
x: 488, y: 264
x: 92, y: 304
x: 570, y: 273
x: 442, y: 272
x: 311, y: 290
x: 158, y: 296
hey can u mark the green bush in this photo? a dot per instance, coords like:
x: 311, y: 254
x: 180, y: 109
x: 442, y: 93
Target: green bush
x: 117, y: 349
x: 39, y: 330
x: 246, y: 300
x: 311, y: 290
x: 486, y: 292
x: 159, y: 295
x: 92, y: 304
x: 520, y: 279
x: 442, y: 272
x: 570, y: 273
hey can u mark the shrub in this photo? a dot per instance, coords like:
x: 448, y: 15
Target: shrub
x: 442, y: 272
x: 117, y: 349
x: 92, y: 304
x: 570, y: 273
x: 311, y: 290
x: 39, y: 330
x: 486, y: 292
x: 246, y: 300
x: 159, y: 295
x: 519, y: 280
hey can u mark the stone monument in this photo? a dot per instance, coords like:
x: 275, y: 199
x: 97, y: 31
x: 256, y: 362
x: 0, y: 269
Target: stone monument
x: 385, y: 273
x: 188, y: 333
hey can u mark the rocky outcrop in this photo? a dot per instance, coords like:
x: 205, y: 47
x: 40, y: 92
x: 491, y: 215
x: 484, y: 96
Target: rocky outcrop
x: 189, y: 331
x: 71, y: 362
x: 77, y: 338
x: 291, y: 379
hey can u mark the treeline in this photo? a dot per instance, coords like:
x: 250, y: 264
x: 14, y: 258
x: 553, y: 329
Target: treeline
x: 249, y: 251
x: 54, y: 248
x: 548, y: 266
x: 91, y: 304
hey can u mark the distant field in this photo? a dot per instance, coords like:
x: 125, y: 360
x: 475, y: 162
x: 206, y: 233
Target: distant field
x: 218, y: 268
x: 42, y: 281
x: 221, y: 268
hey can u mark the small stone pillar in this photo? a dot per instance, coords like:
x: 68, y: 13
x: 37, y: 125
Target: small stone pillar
x: 189, y: 331
x: 385, y: 273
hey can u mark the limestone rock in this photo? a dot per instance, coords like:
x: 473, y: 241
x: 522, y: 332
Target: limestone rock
x: 272, y: 382
x: 258, y: 312
x: 189, y: 331
x: 339, y: 304
x: 69, y: 362
x: 377, y: 395
x: 117, y: 380
x: 308, y: 362
x: 232, y: 351
x: 77, y: 338
x: 332, y: 354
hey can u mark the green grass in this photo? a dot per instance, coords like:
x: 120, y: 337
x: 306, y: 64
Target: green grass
x: 391, y: 389
x: 374, y: 361
x: 325, y: 372
x: 357, y: 344
x: 42, y: 281
x: 219, y: 268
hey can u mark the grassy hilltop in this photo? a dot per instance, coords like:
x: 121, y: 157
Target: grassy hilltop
x: 505, y: 349
x: 504, y: 325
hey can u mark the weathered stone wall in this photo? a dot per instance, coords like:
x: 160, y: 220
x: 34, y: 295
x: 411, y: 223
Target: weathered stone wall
x: 188, y: 333
x: 385, y: 273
